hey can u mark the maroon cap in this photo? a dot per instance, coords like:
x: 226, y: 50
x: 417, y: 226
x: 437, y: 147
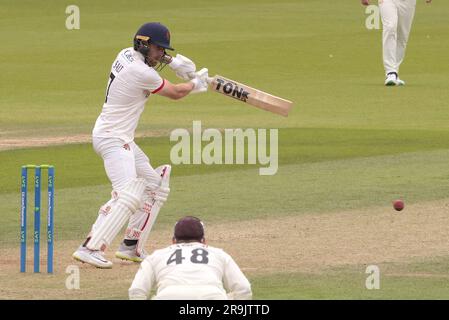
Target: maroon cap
x: 188, y: 229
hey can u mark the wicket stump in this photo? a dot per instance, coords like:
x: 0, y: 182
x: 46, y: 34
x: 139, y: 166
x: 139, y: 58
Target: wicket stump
x: 37, y: 216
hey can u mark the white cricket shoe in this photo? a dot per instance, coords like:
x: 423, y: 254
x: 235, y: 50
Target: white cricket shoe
x: 129, y: 253
x: 400, y: 82
x: 92, y: 257
x: 392, y: 79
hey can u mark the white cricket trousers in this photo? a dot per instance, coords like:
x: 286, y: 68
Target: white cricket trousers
x: 397, y: 18
x: 124, y: 162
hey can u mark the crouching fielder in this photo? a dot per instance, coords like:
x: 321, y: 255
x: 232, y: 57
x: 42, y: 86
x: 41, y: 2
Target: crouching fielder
x: 139, y: 191
x: 190, y: 270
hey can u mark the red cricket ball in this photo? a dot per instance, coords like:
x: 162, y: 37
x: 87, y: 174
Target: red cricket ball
x: 398, y: 205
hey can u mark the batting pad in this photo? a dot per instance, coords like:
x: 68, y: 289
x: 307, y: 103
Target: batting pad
x: 156, y: 206
x: 127, y: 203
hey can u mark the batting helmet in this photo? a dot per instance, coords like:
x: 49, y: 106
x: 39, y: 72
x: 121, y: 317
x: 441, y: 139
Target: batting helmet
x: 189, y: 229
x: 152, y: 32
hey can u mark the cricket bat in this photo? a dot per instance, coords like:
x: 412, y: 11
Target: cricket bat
x: 252, y: 96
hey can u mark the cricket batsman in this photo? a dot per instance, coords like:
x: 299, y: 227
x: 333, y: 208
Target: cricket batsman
x: 189, y: 269
x: 138, y: 190
x: 397, y: 18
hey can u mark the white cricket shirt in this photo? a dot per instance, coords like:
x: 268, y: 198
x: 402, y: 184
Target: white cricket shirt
x: 190, y: 266
x: 130, y: 83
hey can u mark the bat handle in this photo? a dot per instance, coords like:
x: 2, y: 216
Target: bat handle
x: 209, y: 80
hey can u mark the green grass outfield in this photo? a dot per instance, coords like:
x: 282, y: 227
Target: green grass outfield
x: 424, y: 281
x: 349, y: 144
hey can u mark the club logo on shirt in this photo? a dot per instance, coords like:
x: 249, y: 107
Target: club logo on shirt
x: 147, y: 93
x: 128, y: 55
x: 126, y: 147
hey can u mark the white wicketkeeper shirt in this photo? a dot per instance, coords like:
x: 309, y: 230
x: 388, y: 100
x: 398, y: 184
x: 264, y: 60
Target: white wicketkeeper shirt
x: 130, y: 84
x: 191, y: 271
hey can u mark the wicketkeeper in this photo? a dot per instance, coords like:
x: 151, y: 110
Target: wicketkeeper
x: 139, y: 191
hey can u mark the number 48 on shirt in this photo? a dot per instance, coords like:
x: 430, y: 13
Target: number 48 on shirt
x: 197, y: 256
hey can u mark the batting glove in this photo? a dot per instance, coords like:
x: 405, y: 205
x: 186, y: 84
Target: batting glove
x: 183, y: 67
x: 200, y: 81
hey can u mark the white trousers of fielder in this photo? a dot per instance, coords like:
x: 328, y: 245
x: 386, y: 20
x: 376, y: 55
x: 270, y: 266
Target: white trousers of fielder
x: 397, y: 18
